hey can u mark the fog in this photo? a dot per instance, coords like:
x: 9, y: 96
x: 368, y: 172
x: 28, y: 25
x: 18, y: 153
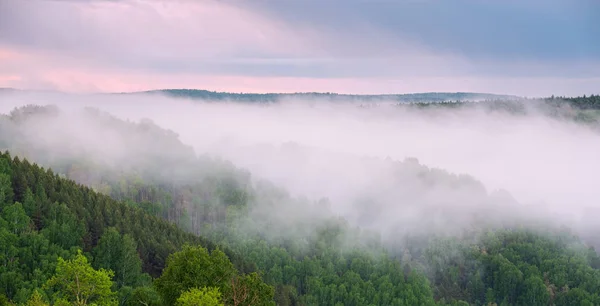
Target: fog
x: 344, y: 152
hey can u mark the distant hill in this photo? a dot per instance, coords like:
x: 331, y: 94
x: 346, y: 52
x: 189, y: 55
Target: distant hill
x: 274, y: 97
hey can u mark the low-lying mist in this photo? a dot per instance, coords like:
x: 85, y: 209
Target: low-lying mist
x: 381, y: 167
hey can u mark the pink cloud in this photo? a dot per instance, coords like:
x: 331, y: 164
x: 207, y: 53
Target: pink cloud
x: 81, y: 80
x: 9, y: 55
x: 6, y: 80
x: 112, y: 46
x: 145, y: 29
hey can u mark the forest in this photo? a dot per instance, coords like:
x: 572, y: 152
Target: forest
x: 277, y: 97
x: 79, y: 226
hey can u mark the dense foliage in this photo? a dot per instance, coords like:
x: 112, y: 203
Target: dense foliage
x: 45, y: 223
x: 516, y: 267
x: 583, y: 102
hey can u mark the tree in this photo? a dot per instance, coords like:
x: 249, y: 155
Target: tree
x: 535, y: 292
x: 146, y: 296
x: 119, y: 254
x: 17, y: 219
x: 250, y: 290
x: 78, y: 283
x: 194, y: 267
x: 36, y: 299
x: 207, y: 296
x: 6, y: 193
x: 62, y: 227
x: 4, y: 301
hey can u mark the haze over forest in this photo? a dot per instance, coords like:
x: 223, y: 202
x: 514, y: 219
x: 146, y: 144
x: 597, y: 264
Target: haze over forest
x: 337, y: 153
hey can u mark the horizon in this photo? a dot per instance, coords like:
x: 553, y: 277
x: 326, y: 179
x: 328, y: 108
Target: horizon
x: 304, y: 93
x: 271, y: 92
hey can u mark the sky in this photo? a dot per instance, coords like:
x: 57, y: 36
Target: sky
x: 529, y: 48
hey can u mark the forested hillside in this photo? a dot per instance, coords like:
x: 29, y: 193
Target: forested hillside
x: 153, y: 213
x: 46, y: 220
x: 277, y: 97
x: 584, y: 109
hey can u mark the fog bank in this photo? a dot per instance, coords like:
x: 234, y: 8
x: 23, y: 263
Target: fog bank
x: 339, y: 150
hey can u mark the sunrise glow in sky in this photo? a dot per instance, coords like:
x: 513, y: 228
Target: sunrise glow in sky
x: 532, y: 48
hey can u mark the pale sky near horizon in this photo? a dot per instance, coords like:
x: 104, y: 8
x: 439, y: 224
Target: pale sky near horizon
x: 530, y: 48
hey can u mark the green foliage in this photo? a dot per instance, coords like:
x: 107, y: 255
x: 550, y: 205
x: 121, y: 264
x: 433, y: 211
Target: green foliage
x: 194, y: 267
x: 207, y: 296
x: 78, y: 283
x: 61, y: 217
x: 36, y: 300
x: 61, y: 227
x: 534, y: 292
x: 145, y: 295
x: 249, y: 290
x: 4, y: 301
x: 5, y: 187
x: 517, y: 267
x: 118, y: 253
x: 17, y: 220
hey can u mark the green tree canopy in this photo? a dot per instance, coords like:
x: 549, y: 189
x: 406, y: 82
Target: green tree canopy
x: 36, y: 299
x: 194, y: 267
x: 119, y: 253
x: 78, y: 283
x: 206, y: 297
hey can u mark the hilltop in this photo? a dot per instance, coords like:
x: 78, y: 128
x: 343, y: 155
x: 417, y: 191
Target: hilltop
x: 274, y: 97
x: 202, y: 94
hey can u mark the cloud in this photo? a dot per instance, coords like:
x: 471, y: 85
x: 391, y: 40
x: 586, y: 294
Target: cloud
x: 39, y: 71
x: 483, y: 29
x: 112, y: 45
x: 144, y: 30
